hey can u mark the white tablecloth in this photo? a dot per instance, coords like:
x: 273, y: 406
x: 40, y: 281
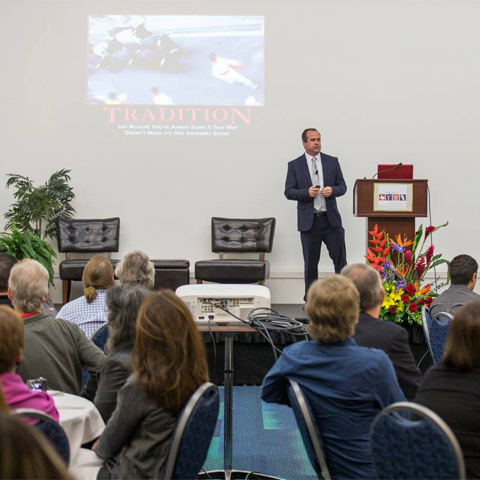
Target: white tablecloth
x: 80, y: 419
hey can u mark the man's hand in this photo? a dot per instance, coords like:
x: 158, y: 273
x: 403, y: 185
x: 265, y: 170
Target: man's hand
x: 327, y: 191
x: 313, y: 191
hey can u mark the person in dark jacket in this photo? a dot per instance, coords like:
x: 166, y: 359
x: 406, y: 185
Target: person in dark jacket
x: 372, y: 332
x: 452, y: 388
x: 169, y: 364
x: 123, y: 303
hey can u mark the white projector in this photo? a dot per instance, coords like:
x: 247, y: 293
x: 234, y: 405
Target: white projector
x: 204, y: 301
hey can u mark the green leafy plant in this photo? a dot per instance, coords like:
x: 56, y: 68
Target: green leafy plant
x: 28, y: 245
x: 36, y: 208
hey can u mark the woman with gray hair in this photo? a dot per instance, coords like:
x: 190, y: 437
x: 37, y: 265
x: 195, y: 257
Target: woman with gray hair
x: 137, y: 269
x: 123, y: 303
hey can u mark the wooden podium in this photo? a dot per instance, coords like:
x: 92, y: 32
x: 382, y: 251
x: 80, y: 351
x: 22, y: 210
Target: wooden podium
x: 368, y: 202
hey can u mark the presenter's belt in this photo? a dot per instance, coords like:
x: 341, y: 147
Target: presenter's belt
x: 319, y: 214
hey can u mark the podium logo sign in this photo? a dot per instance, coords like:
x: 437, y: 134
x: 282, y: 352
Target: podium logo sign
x: 393, y: 197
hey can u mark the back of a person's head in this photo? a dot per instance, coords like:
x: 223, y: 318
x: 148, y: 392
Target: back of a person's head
x: 368, y: 283
x: 137, y: 269
x: 28, y: 283
x: 6, y: 264
x: 169, y: 355
x: 462, y: 349
x: 11, y: 338
x: 461, y: 269
x: 97, y: 275
x: 332, y: 308
x: 123, y: 303
x: 25, y: 453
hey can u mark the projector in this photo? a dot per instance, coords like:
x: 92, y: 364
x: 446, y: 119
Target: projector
x: 203, y: 301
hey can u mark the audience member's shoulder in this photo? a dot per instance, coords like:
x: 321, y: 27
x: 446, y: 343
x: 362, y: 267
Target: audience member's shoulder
x: 371, y: 356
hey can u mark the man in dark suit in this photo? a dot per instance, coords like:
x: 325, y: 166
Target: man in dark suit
x: 314, y: 180
x: 372, y: 332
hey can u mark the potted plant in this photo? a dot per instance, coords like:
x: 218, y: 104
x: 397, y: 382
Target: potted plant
x: 36, y: 208
x: 23, y: 245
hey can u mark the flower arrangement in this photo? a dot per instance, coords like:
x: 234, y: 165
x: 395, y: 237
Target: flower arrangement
x: 403, y: 272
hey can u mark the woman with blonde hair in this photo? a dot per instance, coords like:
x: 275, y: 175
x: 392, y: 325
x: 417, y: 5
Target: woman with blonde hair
x: 90, y: 311
x: 452, y: 388
x: 169, y: 364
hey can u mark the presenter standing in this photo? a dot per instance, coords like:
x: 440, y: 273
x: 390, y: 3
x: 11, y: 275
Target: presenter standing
x: 314, y: 180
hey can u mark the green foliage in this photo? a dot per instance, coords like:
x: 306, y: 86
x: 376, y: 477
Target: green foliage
x: 36, y: 208
x: 28, y: 245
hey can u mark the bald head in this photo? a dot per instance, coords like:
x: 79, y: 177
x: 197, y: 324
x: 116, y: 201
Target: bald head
x: 368, y: 283
x: 28, y: 286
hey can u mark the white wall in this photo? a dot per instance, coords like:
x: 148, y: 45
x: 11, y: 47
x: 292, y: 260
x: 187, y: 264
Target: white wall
x: 383, y: 81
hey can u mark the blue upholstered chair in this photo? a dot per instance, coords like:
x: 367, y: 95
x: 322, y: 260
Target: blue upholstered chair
x: 100, y: 336
x: 50, y: 428
x: 308, y: 429
x: 415, y: 446
x: 193, y: 434
x: 436, y: 331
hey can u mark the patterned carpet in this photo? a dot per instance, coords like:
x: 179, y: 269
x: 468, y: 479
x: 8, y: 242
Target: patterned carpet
x: 265, y: 438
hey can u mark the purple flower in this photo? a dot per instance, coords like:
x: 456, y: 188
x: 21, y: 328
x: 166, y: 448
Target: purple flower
x: 397, y: 248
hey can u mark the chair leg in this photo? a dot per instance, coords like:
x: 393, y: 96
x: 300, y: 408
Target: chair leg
x: 66, y: 289
x: 199, y: 281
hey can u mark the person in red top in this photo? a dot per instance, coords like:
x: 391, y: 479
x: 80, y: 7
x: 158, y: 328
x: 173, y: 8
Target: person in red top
x: 17, y: 394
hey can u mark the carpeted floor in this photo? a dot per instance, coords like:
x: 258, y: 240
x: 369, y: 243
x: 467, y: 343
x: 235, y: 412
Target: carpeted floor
x: 265, y: 438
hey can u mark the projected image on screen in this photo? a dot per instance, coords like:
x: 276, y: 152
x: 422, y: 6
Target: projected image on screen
x: 176, y: 60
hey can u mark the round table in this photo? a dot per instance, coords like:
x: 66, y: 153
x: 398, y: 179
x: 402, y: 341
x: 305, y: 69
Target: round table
x: 79, y: 418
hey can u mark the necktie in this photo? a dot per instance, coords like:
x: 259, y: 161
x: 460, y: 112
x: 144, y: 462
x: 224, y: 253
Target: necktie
x: 318, y: 200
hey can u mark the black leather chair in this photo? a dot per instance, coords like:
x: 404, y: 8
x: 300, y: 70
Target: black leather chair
x: 234, y: 235
x: 84, y: 236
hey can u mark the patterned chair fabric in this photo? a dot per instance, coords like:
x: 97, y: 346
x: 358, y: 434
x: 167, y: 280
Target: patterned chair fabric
x: 436, y: 331
x: 308, y: 430
x: 418, y: 447
x: 232, y: 235
x: 100, y: 337
x: 193, y: 434
x: 50, y: 429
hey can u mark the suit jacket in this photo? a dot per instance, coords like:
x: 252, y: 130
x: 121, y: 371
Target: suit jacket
x: 393, y: 340
x: 299, y: 181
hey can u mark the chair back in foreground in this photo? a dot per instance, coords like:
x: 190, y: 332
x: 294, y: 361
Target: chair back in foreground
x: 193, y: 434
x: 420, y: 447
x: 50, y: 428
x: 100, y: 336
x: 238, y: 236
x: 436, y: 331
x: 308, y: 430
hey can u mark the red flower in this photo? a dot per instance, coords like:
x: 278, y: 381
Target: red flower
x: 413, y: 307
x: 420, y: 267
x: 421, y: 301
x: 429, y: 254
x: 405, y: 298
x: 410, y: 289
x: 429, y: 230
x: 428, y: 301
x: 393, y: 310
x: 408, y: 255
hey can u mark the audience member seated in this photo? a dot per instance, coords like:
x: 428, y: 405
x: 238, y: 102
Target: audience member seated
x: 26, y: 454
x: 463, y: 276
x: 346, y: 385
x: 90, y: 311
x: 169, y: 364
x: 123, y: 303
x: 137, y: 269
x: 54, y: 349
x: 6, y: 264
x: 372, y: 332
x: 452, y: 388
x: 16, y: 393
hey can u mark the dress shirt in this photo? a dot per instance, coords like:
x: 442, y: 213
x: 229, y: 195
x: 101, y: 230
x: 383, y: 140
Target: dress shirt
x: 452, y: 299
x: 322, y: 206
x: 347, y: 386
x: 18, y: 395
x: 88, y: 316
